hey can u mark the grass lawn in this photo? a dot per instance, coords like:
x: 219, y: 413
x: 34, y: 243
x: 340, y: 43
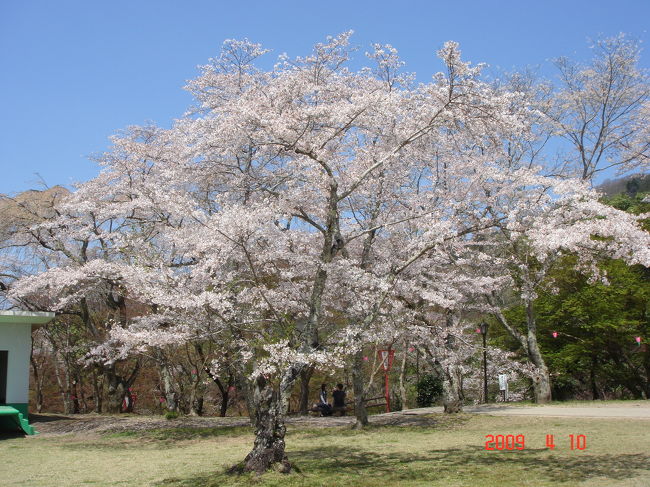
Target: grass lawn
x: 442, y: 451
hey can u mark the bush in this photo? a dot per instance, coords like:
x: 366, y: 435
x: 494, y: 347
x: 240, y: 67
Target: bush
x: 429, y: 389
x: 396, y: 402
x: 171, y: 414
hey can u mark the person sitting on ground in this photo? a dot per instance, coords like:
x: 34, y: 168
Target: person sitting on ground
x: 323, y: 406
x: 339, y: 399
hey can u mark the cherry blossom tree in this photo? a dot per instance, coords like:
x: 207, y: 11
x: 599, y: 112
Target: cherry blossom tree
x: 65, y: 245
x: 602, y: 109
x: 294, y: 215
x: 534, y: 239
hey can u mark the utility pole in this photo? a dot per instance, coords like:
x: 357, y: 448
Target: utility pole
x: 484, y: 330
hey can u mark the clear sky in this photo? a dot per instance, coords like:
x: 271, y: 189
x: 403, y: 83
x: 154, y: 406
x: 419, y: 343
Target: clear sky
x: 74, y: 72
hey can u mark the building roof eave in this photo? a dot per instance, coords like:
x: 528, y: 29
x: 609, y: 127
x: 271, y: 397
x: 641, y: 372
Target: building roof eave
x: 26, y: 317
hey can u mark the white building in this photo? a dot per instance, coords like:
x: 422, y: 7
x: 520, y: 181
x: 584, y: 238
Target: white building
x: 15, y: 348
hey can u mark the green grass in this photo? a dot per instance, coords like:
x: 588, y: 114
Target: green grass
x: 444, y: 451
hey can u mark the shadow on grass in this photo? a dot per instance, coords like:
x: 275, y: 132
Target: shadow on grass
x: 155, y: 439
x: 10, y: 435
x: 183, y: 433
x: 414, y: 424
x: 572, y: 467
x: 356, y: 466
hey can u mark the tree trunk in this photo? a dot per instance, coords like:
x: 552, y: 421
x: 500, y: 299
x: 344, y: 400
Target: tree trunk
x: 119, y: 389
x: 542, y: 386
x: 360, y: 410
x: 63, y: 383
x: 74, y: 392
x: 231, y: 388
x: 225, y: 397
x: 224, y: 390
x: 542, y: 379
x: 270, y: 408
x: 452, y: 389
x: 452, y: 374
x: 305, y: 377
x: 38, y: 380
x: 97, y: 391
x: 595, y: 392
x: 82, y: 393
x: 646, y: 363
x: 116, y: 391
x: 197, y: 406
x: 196, y: 396
x: 167, y: 380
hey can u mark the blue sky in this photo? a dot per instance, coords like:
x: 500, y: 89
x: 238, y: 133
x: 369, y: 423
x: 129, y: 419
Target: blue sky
x: 75, y: 72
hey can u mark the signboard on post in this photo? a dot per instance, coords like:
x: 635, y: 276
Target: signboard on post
x: 503, y: 386
x: 386, y: 357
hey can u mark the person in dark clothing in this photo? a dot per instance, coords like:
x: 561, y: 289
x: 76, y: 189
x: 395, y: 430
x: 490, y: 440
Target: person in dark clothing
x: 339, y: 399
x: 339, y: 396
x: 323, y: 406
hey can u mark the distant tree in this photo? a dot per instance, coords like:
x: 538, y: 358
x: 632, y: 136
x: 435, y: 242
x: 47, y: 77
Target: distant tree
x: 614, y: 187
x: 50, y: 231
x: 533, y: 246
x: 20, y: 252
x: 603, y: 109
x: 596, y: 320
x: 637, y: 204
x: 596, y: 325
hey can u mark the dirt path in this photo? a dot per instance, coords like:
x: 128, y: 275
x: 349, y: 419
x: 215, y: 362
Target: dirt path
x: 94, y: 423
x: 635, y: 410
x: 56, y: 424
x: 641, y: 411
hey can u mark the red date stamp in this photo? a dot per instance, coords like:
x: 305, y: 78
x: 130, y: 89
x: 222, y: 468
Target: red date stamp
x: 505, y: 442
x: 518, y: 442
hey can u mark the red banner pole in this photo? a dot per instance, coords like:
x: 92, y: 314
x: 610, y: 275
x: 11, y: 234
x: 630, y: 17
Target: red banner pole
x: 387, y: 394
